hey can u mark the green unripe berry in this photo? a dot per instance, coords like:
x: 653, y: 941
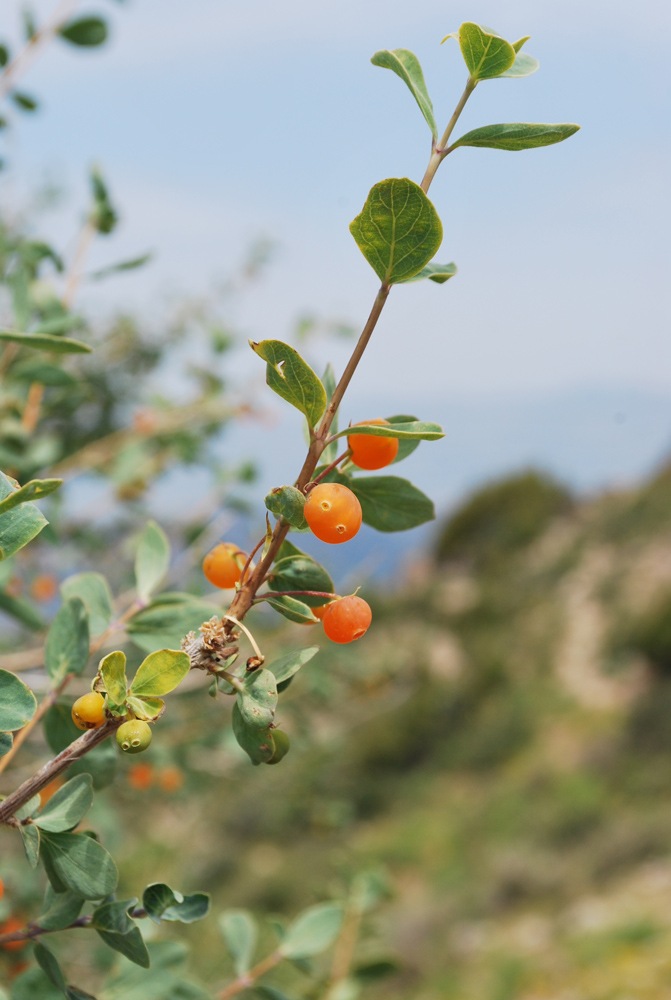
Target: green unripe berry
x: 282, y: 744
x: 134, y: 736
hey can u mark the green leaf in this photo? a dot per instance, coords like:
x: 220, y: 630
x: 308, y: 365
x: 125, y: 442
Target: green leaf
x: 30, y: 836
x: 28, y: 808
x: 406, y: 65
x: 486, y: 54
x: 398, y: 230
x: 80, y: 864
x: 294, y: 610
x: 120, y: 932
x: 164, y: 625
x: 239, y: 931
x: 6, y: 743
x: 84, y: 31
x: 524, y: 65
x: 514, y: 136
x: 301, y: 573
x: 59, y: 728
x: 163, y: 903
x: 272, y: 993
x: 18, y: 526
x: 415, y: 430
x: 60, y: 909
x: 34, y: 490
x: 257, y: 743
x: 93, y: 590
x: 43, y: 342
x: 17, y: 702
x: 22, y: 610
x: 440, y: 273
x: 313, y: 931
x: 49, y: 965
x: 287, y: 502
x: 289, y: 664
x: 406, y: 446
x: 113, y: 672
x: 258, y: 699
x: 160, y: 673
x: 34, y: 370
x: 146, y: 709
x: 66, y: 650
x: 24, y: 102
x: 291, y: 377
x: 68, y: 806
x: 123, y: 265
x: 151, y: 561
x: 4, y: 55
x: 389, y: 503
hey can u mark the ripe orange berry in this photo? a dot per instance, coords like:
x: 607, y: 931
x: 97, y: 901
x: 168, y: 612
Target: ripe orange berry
x: 333, y: 513
x: 140, y: 777
x: 370, y: 452
x: 347, y: 619
x: 50, y: 790
x: 171, y: 779
x: 10, y: 925
x: 44, y: 587
x: 223, y: 566
x: 88, y: 711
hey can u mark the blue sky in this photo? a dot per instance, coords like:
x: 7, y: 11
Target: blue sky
x: 217, y: 122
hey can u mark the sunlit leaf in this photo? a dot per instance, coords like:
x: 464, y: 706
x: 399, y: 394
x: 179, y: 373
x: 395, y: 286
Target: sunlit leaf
x: 17, y: 702
x: 515, y: 136
x: 406, y: 65
x: 291, y: 377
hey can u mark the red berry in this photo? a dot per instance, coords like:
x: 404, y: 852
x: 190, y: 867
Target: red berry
x: 223, y: 566
x: 347, y: 619
x: 333, y: 513
x: 371, y: 452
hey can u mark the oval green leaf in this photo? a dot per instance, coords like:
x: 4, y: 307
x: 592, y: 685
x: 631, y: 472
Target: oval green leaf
x: 389, y: 503
x: 289, y: 664
x: 85, y: 32
x: 524, y: 65
x: 17, y: 702
x: 93, y: 590
x: 112, y: 669
x: 415, y: 430
x: 163, y: 903
x: 313, y: 931
x: 258, y: 699
x: 514, y: 136
x: 406, y: 65
x: 398, y: 230
x: 66, y: 650
x: 301, y: 573
x: 151, y: 560
x: 68, y: 806
x: 258, y: 744
x: 287, y: 502
x: 291, y: 377
x: 116, y: 928
x: 294, y: 610
x: 160, y: 673
x: 239, y: 931
x: 486, y: 54
x: 80, y: 864
x: 34, y: 490
x: 44, y: 342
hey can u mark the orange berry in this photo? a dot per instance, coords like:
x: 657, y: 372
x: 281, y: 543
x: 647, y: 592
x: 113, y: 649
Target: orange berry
x: 333, y: 513
x: 223, y: 566
x: 371, y: 452
x: 171, y: 779
x: 11, y: 925
x: 50, y: 790
x: 347, y: 619
x: 140, y: 777
x: 88, y: 712
x: 44, y: 587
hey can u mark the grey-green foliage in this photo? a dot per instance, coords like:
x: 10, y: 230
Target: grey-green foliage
x: 163, y: 903
x: 514, y: 136
x: 18, y: 525
x: 17, y: 702
x: 406, y: 65
x: 239, y: 931
x: 67, y: 807
x: 291, y: 377
x: 66, y: 650
x: 398, y: 230
x: 287, y: 502
x: 151, y: 560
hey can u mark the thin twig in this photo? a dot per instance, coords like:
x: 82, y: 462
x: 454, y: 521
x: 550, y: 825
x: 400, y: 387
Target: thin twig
x: 329, y: 468
x: 33, y: 929
x: 44, y: 34
x: 248, y: 979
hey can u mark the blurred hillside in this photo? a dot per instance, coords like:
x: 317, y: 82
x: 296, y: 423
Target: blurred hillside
x: 498, y: 744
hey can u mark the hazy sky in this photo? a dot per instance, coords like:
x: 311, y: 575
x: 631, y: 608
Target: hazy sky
x: 217, y: 122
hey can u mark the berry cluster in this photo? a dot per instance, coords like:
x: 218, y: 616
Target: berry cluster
x: 333, y: 514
